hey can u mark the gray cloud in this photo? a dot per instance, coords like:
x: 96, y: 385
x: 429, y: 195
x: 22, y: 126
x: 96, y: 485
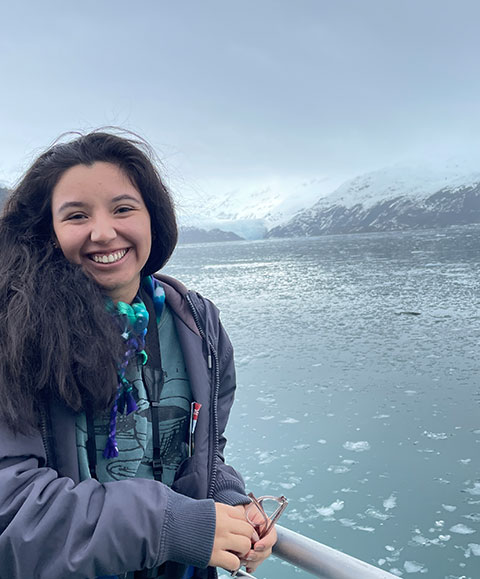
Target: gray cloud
x: 251, y: 90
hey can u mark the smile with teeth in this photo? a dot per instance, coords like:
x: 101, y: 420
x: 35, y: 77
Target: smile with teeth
x: 108, y: 258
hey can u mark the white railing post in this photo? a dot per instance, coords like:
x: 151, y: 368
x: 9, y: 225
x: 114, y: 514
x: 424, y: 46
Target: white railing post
x: 322, y: 561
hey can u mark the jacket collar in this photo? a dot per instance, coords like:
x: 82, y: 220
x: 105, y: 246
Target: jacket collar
x: 175, y: 296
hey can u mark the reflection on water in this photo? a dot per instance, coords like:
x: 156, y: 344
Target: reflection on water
x: 358, y: 398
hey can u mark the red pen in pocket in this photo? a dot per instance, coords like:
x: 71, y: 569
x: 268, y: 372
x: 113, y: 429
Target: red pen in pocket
x: 194, y: 412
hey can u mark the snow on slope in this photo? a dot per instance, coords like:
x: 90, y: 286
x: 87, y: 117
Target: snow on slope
x: 417, y: 182
x: 251, y: 211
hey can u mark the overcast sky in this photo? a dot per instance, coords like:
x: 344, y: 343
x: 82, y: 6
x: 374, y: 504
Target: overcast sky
x: 241, y: 94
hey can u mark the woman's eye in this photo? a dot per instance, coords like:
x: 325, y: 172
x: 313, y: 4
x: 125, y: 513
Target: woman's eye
x: 76, y: 217
x: 123, y: 209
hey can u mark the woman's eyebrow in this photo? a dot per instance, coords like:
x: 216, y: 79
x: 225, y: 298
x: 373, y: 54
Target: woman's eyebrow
x: 70, y: 204
x: 125, y: 197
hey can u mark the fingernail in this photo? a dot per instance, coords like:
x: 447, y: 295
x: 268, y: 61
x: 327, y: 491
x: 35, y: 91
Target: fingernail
x: 259, y: 547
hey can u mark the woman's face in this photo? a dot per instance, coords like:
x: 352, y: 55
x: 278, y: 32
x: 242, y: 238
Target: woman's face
x: 101, y: 222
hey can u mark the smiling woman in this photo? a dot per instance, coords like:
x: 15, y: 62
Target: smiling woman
x: 101, y: 222
x: 105, y: 366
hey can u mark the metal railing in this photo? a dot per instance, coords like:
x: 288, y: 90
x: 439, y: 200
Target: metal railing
x: 322, y: 561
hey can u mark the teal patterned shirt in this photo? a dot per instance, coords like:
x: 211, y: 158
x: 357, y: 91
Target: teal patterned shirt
x: 134, y: 432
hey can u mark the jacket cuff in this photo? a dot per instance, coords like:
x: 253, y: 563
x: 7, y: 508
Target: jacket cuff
x: 231, y: 497
x: 189, y: 530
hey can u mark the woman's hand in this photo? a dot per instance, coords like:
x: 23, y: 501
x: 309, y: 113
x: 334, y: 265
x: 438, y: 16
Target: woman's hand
x: 260, y: 550
x: 234, y: 535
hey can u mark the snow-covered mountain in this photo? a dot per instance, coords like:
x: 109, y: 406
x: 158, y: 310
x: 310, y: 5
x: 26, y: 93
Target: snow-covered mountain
x: 251, y: 213
x: 392, y: 199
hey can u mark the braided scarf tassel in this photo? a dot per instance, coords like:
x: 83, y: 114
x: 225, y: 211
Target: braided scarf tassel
x: 136, y: 322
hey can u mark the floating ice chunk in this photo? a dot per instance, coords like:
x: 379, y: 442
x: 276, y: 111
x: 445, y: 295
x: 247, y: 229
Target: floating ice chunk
x: 381, y: 562
x: 414, y: 567
x: 329, y: 511
x: 301, y: 446
x: 289, y: 421
x: 444, y: 538
x: 465, y: 460
x: 359, y: 446
x: 380, y: 416
x: 266, y: 399
x: 395, y: 571
x: 435, y: 435
x: 475, y: 490
x: 421, y: 540
x: 347, y: 522
x: 266, y: 417
x: 287, y: 486
x: 377, y: 514
x: 462, y: 529
x: 390, y: 503
x: 475, y: 549
x: 410, y: 392
x: 474, y: 517
x: 322, y: 441
x: 389, y: 548
x: 449, y: 508
x: 341, y: 469
x: 366, y: 529
x: 266, y: 457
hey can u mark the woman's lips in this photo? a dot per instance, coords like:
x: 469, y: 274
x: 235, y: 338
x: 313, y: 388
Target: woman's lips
x: 107, y: 258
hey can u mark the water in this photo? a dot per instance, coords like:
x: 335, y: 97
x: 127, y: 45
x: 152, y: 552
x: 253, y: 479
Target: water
x: 358, y: 393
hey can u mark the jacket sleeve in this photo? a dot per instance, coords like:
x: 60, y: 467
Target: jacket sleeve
x: 51, y: 527
x: 230, y: 487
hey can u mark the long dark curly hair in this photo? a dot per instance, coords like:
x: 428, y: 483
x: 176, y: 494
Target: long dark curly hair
x: 56, y: 338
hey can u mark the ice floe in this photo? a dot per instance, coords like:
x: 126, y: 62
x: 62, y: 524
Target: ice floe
x: 377, y: 514
x: 462, y: 529
x: 330, y: 510
x: 390, y: 503
x: 435, y: 435
x: 474, y: 549
x: 449, y: 508
x: 359, y: 446
x: 475, y: 490
x: 414, y: 567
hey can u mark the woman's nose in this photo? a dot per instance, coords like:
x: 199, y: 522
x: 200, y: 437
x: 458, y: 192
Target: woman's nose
x: 102, y: 231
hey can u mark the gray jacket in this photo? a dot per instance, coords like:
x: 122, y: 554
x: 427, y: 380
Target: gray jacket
x: 52, y: 526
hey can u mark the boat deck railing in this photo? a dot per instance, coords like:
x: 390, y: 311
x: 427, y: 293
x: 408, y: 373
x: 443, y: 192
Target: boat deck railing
x: 322, y: 561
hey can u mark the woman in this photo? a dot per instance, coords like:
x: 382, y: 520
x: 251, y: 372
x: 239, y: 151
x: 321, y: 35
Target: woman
x: 115, y: 386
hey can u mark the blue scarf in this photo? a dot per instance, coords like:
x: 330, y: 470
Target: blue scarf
x: 133, y: 321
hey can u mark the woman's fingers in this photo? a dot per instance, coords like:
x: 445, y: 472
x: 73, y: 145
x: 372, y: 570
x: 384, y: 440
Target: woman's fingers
x: 233, y: 536
x: 261, y: 550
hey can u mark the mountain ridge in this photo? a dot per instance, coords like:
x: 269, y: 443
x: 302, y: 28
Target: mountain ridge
x: 390, y: 200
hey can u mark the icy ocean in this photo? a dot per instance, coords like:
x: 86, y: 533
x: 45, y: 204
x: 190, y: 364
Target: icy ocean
x: 358, y: 389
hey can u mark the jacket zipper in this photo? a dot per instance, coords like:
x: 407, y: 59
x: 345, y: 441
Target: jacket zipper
x: 211, y: 353
x: 44, y: 434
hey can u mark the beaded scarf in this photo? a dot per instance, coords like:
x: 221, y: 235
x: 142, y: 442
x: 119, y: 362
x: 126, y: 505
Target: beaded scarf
x: 133, y: 322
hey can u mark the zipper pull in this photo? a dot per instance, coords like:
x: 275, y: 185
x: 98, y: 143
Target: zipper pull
x: 209, y: 360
